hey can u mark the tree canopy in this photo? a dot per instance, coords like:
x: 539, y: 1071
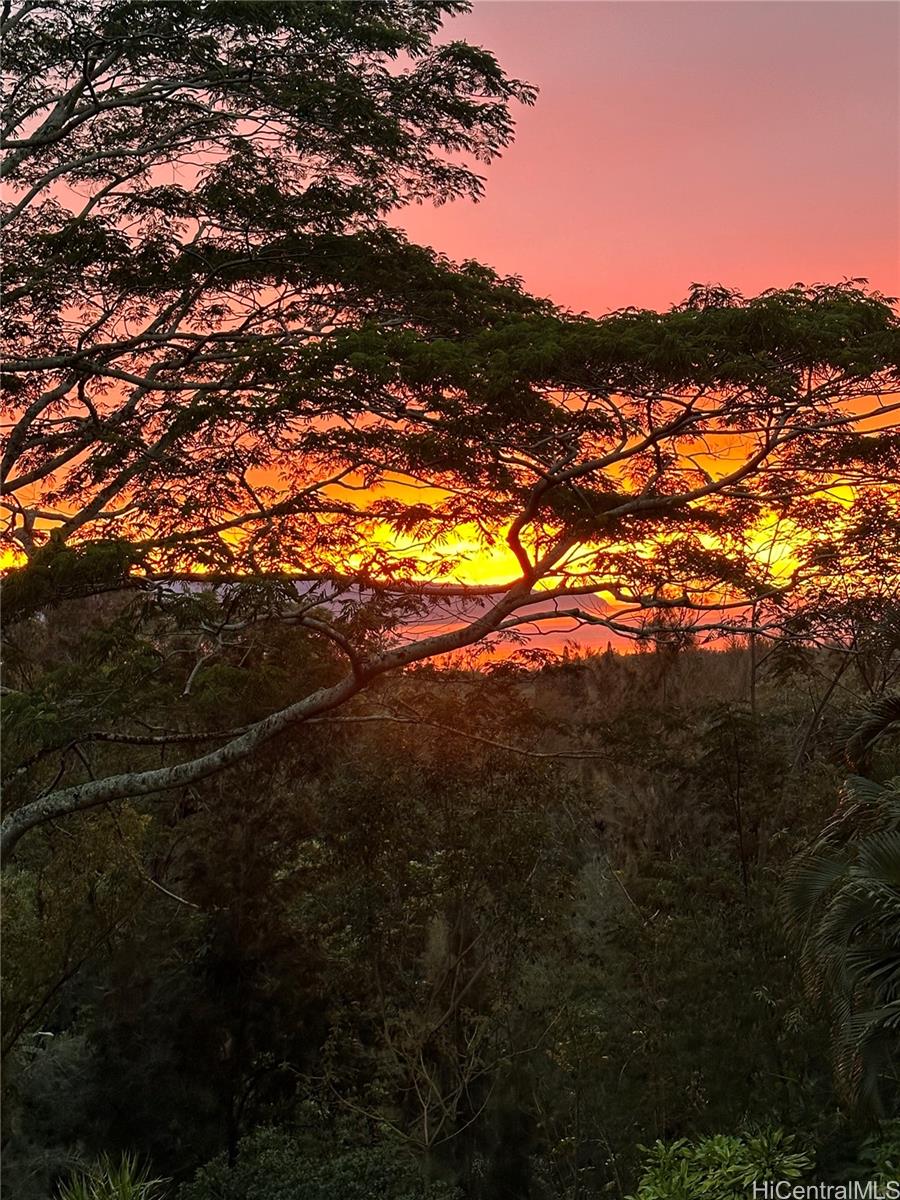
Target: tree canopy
x: 286, y: 494
x: 224, y: 366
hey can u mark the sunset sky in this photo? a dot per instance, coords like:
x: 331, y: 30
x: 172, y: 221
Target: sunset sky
x: 747, y: 143
x: 743, y: 142
x: 750, y: 143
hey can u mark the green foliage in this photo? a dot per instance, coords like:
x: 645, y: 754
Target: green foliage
x: 720, y: 1167
x: 62, y: 911
x: 879, y: 1155
x: 517, y: 969
x: 272, y: 1165
x: 125, y: 1179
x: 57, y: 572
x: 509, y: 969
x: 864, y: 731
x: 843, y: 902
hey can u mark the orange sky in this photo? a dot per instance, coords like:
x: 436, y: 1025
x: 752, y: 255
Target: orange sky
x: 747, y: 143
x: 742, y: 142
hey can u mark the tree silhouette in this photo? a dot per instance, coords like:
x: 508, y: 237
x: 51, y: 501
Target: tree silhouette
x: 225, y: 367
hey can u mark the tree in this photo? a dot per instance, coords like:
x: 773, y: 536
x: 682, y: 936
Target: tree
x: 224, y: 362
x: 197, y: 200
x: 842, y: 900
x: 854, y: 609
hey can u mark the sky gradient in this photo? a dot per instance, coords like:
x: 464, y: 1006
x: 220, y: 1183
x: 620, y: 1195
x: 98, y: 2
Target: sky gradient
x: 750, y: 143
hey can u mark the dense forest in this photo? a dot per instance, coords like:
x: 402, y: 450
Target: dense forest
x: 442, y: 959
x: 324, y: 878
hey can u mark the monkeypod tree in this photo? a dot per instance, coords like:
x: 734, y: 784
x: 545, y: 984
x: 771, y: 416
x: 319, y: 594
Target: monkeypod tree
x: 226, y: 371
x: 195, y: 201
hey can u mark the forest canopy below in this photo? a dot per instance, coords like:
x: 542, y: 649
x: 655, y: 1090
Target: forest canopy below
x: 321, y: 879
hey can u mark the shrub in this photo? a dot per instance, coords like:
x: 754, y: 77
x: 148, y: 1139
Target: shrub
x: 719, y: 1167
x: 272, y: 1165
x: 109, y: 1180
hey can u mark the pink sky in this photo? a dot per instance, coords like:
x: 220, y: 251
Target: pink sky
x: 747, y: 143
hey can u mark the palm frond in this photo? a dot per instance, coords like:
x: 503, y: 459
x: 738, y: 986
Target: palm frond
x: 841, y: 901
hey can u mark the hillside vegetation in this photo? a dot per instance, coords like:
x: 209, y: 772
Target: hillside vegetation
x: 488, y: 946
